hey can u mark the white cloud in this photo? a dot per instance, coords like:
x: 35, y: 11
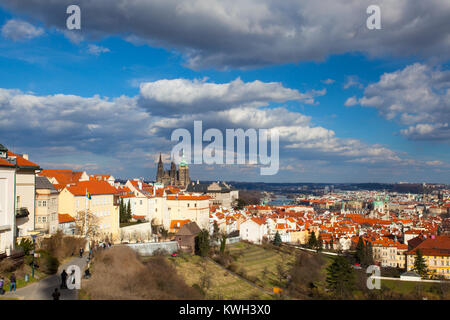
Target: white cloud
x: 352, y: 81
x: 247, y: 33
x: 352, y: 101
x: 181, y: 96
x: 119, y: 133
x: 18, y: 30
x: 96, y: 50
x: 328, y: 81
x: 417, y: 96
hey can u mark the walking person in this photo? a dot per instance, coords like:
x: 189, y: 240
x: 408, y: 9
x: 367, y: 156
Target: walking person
x: 56, y: 294
x: 13, y: 281
x: 2, y: 281
x: 63, y: 279
x: 81, y: 252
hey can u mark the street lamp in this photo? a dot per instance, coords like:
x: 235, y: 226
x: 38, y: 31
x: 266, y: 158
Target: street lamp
x: 33, y: 236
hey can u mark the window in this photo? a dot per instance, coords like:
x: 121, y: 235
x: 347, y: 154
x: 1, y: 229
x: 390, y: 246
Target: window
x: 39, y: 203
x: 140, y: 202
x: 44, y: 203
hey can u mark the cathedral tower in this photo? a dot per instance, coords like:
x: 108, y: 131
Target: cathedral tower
x: 160, y: 171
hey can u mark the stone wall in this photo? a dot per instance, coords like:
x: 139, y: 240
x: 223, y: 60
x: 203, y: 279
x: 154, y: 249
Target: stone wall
x: 147, y: 249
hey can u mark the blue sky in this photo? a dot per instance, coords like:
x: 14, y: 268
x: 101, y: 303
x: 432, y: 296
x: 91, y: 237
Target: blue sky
x: 396, y: 128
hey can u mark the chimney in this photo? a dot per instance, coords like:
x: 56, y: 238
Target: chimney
x: 25, y: 156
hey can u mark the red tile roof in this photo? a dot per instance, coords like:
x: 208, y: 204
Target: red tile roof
x: 434, y: 246
x: 21, y: 161
x: 64, y: 218
x: 63, y: 176
x: 259, y: 221
x: 182, y: 197
x: 94, y: 188
x: 5, y: 163
x: 174, y: 224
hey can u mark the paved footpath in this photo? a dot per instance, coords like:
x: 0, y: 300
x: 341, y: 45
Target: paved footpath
x: 42, y: 290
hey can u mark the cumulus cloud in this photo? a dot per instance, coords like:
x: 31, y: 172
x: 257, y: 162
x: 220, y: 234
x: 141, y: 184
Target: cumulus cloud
x: 96, y: 50
x: 103, y: 125
x: 246, y: 33
x: 328, y: 81
x: 181, y: 96
x: 350, y: 102
x: 417, y: 96
x: 18, y: 30
x: 352, y: 81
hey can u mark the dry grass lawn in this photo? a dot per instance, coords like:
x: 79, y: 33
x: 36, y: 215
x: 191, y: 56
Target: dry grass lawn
x: 261, y: 265
x: 222, y: 284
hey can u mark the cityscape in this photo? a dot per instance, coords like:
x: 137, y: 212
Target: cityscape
x: 229, y: 158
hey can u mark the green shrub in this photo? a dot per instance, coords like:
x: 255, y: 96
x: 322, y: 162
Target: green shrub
x: 47, y: 263
x: 28, y: 260
x: 26, y: 245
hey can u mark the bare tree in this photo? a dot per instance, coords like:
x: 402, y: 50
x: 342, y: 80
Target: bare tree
x: 205, y: 278
x: 86, y: 222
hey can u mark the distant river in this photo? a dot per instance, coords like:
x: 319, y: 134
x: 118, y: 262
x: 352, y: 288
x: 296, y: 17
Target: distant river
x: 280, y: 201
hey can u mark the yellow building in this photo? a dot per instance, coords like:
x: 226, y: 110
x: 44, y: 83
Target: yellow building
x: 436, y: 253
x: 299, y: 236
x: 46, y: 217
x: 103, y: 204
x: 389, y: 253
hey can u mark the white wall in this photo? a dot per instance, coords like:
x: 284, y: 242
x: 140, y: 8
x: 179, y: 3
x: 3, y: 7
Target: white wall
x: 25, y: 189
x: 7, y: 213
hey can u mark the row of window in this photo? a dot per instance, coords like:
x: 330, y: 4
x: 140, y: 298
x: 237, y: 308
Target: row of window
x: 97, y: 201
x: 43, y: 203
x: 44, y: 219
x: 102, y: 213
x: 440, y: 271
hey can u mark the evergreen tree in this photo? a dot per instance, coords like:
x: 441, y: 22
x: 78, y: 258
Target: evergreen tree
x: 239, y: 204
x: 277, y: 239
x: 319, y: 245
x: 368, y: 255
x: 128, y: 214
x: 203, y: 243
x: 223, y: 242
x: 340, y: 277
x: 420, y: 265
x: 312, y: 241
x: 122, y: 213
x: 216, y: 233
x: 360, y: 251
